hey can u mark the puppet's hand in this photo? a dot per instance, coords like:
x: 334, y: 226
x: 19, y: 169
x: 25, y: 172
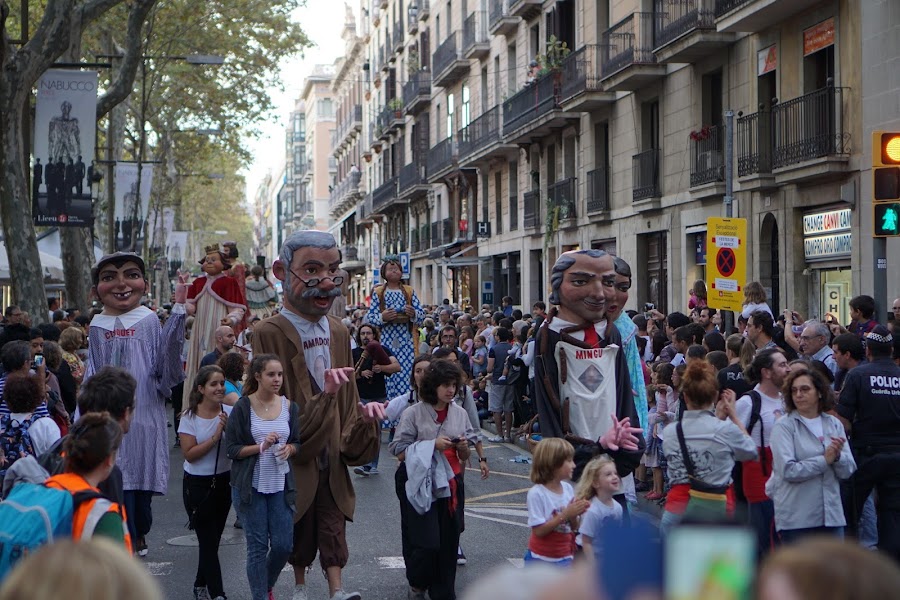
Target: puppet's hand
x: 181, y: 288
x: 621, y: 435
x: 372, y: 412
x: 336, y: 378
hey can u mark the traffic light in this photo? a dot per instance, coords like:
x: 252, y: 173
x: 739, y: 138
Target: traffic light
x: 886, y: 183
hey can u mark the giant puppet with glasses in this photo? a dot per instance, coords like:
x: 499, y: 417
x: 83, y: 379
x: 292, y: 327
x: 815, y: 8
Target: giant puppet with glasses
x: 336, y: 430
x: 213, y: 299
x: 583, y: 388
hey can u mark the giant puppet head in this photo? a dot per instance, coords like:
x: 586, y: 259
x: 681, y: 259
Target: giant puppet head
x: 119, y: 282
x: 391, y: 269
x: 215, y: 261
x: 582, y: 282
x: 309, y: 266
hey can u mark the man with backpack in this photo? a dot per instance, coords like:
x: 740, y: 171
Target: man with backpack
x: 758, y: 410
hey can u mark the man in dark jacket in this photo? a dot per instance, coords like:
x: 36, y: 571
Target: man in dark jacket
x: 578, y: 341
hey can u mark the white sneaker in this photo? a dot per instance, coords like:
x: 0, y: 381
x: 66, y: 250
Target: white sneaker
x: 342, y: 595
x: 497, y: 439
x: 300, y: 592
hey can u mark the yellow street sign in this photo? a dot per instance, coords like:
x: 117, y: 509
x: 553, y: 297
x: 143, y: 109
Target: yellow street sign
x: 726, y: 263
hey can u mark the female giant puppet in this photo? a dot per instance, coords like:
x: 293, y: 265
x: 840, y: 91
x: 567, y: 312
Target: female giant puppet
x: 214, y: 299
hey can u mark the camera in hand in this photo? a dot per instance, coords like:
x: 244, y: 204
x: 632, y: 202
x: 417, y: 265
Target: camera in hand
x: 38, y: 361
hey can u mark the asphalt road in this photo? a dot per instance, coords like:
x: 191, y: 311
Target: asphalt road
x: 496, y: 534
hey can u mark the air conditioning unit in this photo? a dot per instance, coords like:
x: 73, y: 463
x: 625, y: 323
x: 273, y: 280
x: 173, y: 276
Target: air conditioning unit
x: 709, y: 160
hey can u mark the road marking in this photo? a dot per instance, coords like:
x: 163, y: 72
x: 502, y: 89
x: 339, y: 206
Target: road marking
x: 495, y: 519
x: 498, y: 494
x: 508, y: 512
x: 500, y: 473
x: 497, y: 504
x: 518, y: 563
x: 159, y: 569
x: 391, y: 562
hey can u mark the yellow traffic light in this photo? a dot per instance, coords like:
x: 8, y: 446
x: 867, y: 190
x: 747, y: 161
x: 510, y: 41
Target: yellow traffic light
x: 891, y: 147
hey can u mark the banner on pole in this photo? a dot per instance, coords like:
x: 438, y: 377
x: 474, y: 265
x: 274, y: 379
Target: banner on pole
x: 176, y: 250
x: 131, y: 214
x: 64, y: 136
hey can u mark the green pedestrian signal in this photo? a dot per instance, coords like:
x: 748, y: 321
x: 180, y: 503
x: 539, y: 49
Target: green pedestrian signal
x: 887, y: 219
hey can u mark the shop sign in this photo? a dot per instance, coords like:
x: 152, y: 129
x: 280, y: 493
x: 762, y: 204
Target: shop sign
x: 767, y: 60
x: 827, y: 235
x: 818, y: 37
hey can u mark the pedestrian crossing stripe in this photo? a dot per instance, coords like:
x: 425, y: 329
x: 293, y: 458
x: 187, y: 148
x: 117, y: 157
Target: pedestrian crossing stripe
x: 159, y: 569
x: 391, y: 562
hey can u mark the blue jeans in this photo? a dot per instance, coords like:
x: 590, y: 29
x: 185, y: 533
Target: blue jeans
x: 790, y: 536
x: 269, y: 529
x: 530, y: 558
x: 762, y: 520
x: 868, y: 524
x: 374, y: 463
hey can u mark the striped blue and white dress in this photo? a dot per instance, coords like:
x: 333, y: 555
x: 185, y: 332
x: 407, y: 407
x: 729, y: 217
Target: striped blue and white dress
x: 136, y: 342
x: 266, y: 477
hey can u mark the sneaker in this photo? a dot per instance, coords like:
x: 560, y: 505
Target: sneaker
x: 497, y: 439
x: 414, y: 594
x: 299, y: 592
x: 364, y: 471
x: 237, y: 523
x: 141, y: 547
x: 201, y: 593
x: 508, y: 440
x: 653, y: 496
x: 373, y: 471
x: 460, y: 556
x: 342, y: 595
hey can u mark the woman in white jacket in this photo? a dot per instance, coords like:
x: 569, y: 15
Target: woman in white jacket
x: 809, y: 458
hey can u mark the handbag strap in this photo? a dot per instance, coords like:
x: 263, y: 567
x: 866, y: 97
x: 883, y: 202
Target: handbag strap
x: 685, y: 457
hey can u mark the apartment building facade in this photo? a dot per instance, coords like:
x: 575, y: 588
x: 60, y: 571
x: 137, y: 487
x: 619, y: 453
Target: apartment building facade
x: 496, y: 135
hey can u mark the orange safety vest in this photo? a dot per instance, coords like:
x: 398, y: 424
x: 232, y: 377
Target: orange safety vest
x: 89, y: 513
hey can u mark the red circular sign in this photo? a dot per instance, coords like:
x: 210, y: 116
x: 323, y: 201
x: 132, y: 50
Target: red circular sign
x: 726, y: 262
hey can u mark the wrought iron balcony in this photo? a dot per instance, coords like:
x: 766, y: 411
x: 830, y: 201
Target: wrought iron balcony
x: 441, y: 233
x: 476, y: 43
x: 581, y: 87
x: 809, y: 127
x: 417, y: 92
x: 448, y: 63
x: 534, y: 100
x: 421, y: 239
x: 384, y: 195
x: 501, y: 21
x: 424, y: 8
x: 524, y: 8
x: 562, y: 198
x: 392, y: 114
x: 598, y: 190
x: 754, y: 141
x: 413, y: 179
x: 480, y: 134
x: 441, y: 157
x: 676, y: 18
x: 531, y: 209
x: 397, y: 38
x: 628, y: 61
x: 645, y: 174
x: 752, y: 16
x: 707, y: 157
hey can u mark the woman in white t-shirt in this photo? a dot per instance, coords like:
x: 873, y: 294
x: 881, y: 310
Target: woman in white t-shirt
x: 207, y: 475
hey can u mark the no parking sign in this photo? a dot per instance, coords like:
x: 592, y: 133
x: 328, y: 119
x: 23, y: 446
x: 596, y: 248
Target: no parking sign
x: 726, y: 265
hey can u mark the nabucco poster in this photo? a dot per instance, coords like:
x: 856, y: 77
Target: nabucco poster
x: 64, y: 136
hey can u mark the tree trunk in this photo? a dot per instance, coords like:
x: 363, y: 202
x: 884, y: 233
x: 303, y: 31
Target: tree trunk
x: 78, y: 257
x: 25, y: 268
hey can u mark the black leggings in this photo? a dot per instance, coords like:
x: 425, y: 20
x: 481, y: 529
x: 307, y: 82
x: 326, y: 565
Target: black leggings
x: 207, y: 510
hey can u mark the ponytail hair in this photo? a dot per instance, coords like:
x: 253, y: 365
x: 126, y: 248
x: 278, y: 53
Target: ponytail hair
x: 257, y: 366
x: 93, y: 439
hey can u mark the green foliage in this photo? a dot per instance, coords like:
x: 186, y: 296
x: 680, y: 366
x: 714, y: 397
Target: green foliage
x: 556, y: 53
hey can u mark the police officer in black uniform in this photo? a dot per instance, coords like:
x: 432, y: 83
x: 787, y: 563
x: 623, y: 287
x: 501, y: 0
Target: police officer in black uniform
x: 870, y: 405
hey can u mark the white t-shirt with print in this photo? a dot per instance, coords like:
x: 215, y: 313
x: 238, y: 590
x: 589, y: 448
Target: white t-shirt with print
x: 593, y: 520
x: 203, y: 429
x: 543, y: 504
x: 771, y: 409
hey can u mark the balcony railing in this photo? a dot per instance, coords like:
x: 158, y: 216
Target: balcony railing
x: 417, y: 91
x: 532, y: 209
x: 726, y: 6
x: 440, y: 156
x: 421, y: 239
x: 412, y: 175
x: 645, y: 174
x: 598, y: 190
x: 480, y: 133
x: 707, y: 157
x: 581, y: 72
x: 384, y: 194
x: 754, y: 140
x: 628, y: 42
x: 809, y: 127
x: 398, y: 35
x: 562, y: 196
x: 535, y: 100
x: 424, y: 8
x: 447, y: 61
x: 475, y: 33
x: 441, y: 233
x: 674, y: 18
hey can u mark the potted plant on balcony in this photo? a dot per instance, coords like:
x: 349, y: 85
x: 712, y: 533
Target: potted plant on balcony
x: 412, y: 62
x: 396, y: 105
x: 701, y: 134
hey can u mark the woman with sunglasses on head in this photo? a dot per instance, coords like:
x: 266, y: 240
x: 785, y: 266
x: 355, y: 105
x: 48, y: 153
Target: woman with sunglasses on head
x: 810, y: 457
